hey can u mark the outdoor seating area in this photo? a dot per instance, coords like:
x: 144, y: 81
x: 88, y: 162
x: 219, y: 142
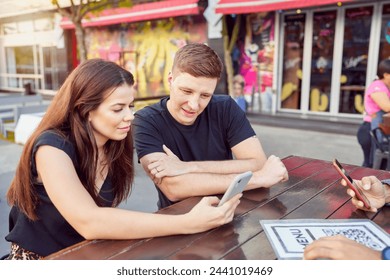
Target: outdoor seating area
x: 13, y: 106
x: 312, y: 192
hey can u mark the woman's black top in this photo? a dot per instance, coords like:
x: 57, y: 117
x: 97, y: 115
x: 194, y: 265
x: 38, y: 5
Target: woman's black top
x: 50, y: 232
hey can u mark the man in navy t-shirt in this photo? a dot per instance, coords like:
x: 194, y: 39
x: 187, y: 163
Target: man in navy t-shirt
x: 193, y: 143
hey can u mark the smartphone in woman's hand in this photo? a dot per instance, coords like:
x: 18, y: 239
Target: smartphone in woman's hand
x: 237, y: 186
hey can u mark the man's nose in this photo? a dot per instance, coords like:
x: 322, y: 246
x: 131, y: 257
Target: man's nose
x: 194, y: 102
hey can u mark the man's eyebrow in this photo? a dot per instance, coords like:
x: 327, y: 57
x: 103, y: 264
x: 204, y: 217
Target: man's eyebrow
x: 185, y: 87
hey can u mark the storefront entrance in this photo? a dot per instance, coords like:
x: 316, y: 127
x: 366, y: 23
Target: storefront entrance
x: 329, y: 56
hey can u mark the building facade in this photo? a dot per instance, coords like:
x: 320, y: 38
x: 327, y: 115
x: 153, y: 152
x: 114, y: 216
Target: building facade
x: 33, y: 51
x: 40, y: 48
x: 311, y: 58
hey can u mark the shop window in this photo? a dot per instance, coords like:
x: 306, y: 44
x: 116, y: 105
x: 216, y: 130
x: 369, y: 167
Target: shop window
x: 256, y: 61
x: 55, y: 67
x: 20, y: 66
x: 49, y: 71
x: 324, y: 26
x: 28, y: 26
x: 294, y: 29
x: 355, y: 56
x: 384, y: 48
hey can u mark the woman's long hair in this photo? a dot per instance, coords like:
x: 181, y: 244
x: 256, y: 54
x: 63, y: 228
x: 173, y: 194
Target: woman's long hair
x: 83, y: 91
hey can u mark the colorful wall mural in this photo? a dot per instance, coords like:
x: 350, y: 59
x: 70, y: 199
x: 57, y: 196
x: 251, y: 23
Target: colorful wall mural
x: 146, y: 49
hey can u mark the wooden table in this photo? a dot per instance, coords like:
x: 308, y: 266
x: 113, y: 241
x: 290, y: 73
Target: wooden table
x: 313, y: 191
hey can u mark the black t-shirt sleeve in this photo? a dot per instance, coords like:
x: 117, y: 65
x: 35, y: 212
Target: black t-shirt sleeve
x: 237, y: 124
x: 147, y: 135
x: 51, y: 138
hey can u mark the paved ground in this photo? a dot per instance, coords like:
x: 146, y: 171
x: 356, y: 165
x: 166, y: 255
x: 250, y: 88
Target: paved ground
x: 281, y: 142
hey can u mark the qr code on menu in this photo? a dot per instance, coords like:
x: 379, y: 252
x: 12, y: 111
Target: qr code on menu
x: 357, y: 235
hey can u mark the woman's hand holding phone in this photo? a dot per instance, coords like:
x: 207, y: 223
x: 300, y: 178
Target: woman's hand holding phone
x: 237, y: 186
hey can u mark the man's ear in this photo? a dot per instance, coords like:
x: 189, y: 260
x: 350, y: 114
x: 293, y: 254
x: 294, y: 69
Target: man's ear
x: 170, y: 78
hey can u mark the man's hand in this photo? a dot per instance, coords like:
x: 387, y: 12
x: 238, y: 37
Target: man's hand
x: 373, y: 189
x: 272, y: 173
x: 169, y: 165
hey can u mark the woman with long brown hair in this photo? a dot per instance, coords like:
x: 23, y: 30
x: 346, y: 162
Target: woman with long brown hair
x: 78, y: 165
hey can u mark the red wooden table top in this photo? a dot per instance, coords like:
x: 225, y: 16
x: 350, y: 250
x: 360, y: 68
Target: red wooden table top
x: 312, y: 192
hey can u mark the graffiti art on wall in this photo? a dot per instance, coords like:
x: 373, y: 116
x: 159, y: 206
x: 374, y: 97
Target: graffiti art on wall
x: 146, y: 49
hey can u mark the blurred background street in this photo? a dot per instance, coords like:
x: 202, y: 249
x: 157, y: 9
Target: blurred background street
x: 277, y: 141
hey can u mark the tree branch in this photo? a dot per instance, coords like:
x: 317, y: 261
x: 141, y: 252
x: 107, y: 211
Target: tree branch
x: 99, y: 5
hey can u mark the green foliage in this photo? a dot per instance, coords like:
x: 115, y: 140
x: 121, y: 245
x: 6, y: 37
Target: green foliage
x: 79, y: 9
x: 99, y: 6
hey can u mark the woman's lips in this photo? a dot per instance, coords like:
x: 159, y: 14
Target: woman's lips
x: 126, y: 128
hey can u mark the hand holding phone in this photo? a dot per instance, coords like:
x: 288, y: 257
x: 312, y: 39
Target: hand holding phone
x: 237, y: 186
x: 351, y: 184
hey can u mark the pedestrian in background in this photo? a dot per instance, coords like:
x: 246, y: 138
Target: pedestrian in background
x: 376, y: 104
x: 238, y: 92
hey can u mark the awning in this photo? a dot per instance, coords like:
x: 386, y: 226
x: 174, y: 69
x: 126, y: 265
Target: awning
x: 141, y: 12
x: 248, y: 6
